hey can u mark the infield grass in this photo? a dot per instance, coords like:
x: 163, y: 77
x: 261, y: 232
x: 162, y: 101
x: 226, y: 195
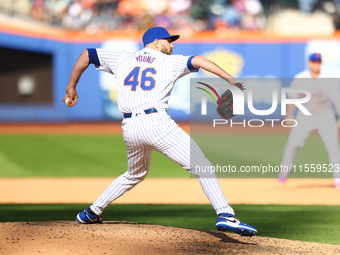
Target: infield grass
x: 262, y: 150
x: 105, y: 155
x: 73, y: 156
x: 312, y: 223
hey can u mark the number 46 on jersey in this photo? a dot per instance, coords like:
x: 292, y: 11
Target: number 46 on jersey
x: 140, y: 78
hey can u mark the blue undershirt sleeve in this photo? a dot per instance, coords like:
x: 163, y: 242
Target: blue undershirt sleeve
x: 93, y: 57
x: 190, y: 66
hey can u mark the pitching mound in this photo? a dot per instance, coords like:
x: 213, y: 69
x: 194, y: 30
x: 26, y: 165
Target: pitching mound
x: 65, y: 237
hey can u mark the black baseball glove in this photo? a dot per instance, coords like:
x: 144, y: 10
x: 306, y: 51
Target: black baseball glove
x: 225, y: 110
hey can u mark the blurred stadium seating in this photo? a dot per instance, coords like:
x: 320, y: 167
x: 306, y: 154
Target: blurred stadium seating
x: 198, y: 15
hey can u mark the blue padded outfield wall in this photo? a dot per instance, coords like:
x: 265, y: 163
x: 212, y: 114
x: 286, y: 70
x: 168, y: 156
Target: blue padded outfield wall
x: 96, y: 89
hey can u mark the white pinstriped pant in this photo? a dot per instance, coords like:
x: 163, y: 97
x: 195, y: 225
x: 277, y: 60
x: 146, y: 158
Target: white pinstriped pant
x: 158, y: 132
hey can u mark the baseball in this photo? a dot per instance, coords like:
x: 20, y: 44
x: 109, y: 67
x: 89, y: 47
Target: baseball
x: 67, y: 100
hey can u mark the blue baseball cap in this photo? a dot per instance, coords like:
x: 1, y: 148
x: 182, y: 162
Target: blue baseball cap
x: 157, y: 33
x: 315, y: 57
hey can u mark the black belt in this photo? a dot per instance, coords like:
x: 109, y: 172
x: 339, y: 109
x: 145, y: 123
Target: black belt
x: 147, y: 111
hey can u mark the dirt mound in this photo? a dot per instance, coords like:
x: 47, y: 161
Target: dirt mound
x: 65, y: 237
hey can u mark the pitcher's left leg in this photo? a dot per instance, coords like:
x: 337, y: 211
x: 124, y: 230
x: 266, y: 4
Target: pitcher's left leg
x: 180, y: 148
x: 187, y: 153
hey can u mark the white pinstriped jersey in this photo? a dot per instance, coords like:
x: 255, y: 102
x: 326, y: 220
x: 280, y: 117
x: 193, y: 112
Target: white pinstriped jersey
x: 144, y: 78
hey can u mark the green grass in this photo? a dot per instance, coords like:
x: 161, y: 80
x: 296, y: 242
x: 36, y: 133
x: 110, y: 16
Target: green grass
x: 312, y: 223
x: 246, y: 150
x: 105, y: 155
x: 73, y: 156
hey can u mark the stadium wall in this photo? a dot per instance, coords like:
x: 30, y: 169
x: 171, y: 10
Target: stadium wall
x: 256, y: 57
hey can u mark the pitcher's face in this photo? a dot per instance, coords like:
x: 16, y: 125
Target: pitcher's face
x: 166, y: 46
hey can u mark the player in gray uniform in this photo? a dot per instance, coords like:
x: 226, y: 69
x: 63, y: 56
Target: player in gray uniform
x: 144, y: 83
x: 324, y: 95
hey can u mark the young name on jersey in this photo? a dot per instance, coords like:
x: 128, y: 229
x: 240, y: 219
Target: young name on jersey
x: 146, y: 59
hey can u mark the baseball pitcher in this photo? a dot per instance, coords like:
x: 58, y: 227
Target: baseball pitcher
x: 145, y: 80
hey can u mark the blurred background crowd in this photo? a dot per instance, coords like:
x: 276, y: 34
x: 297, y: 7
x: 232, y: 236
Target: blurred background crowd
x: 198, y: 15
